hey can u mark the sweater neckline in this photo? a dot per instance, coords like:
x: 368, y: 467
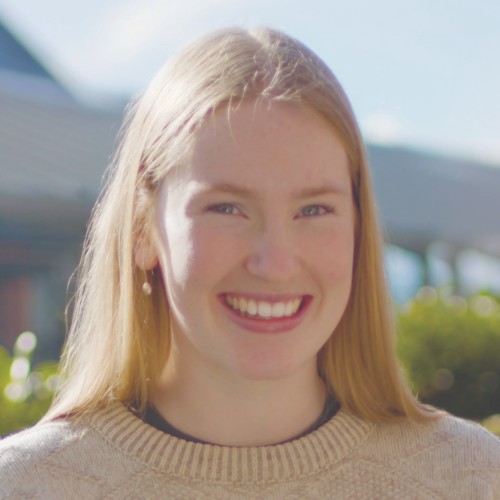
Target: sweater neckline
x: 154, y: 418
x: 207, y: 462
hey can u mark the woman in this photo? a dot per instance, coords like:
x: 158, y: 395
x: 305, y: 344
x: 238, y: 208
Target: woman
x: 232, y: 334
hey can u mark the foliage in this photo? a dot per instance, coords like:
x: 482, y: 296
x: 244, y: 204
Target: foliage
x: 25, y: 392
x: 450, y: 349
x: 492, y: 424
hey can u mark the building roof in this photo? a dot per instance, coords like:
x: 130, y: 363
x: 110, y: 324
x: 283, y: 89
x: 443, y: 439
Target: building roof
x: 15, y: 57
x: 52, y: 159
x: 425, y: 198
x: 22, y: 73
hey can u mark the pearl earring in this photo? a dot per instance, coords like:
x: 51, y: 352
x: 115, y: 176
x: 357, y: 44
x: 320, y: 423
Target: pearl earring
x: 146, y: 287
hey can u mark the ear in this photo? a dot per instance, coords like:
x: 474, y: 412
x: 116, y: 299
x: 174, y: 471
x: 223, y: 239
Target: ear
x: 145, y: 255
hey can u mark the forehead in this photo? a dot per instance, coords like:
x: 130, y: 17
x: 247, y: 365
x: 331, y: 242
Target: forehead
x: 263, y: 143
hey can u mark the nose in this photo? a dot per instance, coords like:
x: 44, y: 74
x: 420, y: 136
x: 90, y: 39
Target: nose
x: 274, y: 255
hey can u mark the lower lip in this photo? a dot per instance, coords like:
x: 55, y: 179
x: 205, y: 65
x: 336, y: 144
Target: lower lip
x: 272, y: 325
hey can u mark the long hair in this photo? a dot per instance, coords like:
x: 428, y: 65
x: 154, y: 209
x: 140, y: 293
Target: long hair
x: 119, y: 338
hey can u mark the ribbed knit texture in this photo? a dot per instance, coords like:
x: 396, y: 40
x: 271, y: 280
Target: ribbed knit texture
x: 113, y: 454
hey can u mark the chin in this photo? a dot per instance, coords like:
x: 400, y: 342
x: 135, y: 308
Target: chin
x: 270, y: 370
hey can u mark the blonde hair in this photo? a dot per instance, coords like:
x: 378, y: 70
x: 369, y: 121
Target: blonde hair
x: 119, y: 337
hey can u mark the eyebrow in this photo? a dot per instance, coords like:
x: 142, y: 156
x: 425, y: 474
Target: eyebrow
x: 308, y: 192
x: 311, y: 192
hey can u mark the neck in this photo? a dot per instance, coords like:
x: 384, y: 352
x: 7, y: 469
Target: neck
x: 233, y: 411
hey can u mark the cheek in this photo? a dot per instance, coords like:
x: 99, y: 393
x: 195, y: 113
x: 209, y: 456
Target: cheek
x: 194, y: 254
x: 333, y: 253
x: 178, y: 252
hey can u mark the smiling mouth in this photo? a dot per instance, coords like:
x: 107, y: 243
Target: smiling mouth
x: 261, y: 309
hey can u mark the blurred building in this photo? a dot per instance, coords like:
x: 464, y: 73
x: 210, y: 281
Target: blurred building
x: 53, y: 154
x: 445, y: 210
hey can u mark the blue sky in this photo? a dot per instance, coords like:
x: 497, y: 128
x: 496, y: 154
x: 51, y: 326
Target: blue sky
x: 423, y: 73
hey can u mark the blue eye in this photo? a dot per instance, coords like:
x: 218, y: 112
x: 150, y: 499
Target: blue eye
x: 224, y: 208
x: 314, y: 210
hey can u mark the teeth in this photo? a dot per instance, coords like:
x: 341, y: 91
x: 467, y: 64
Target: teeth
x: 241, y: 304
x: 251, y: 308
x: 278, y: 310
x: 262, y: 309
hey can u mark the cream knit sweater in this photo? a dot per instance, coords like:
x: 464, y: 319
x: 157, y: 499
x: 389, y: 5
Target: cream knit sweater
x: 113, y: 454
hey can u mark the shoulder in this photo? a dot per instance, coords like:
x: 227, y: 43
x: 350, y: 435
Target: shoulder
x: 464, y: 442
x: 453, y: 434
x: 441, y: 425
x: 33, y: 459
x: 447, y: 455
x: 467, y: 432
x: 34, y: 444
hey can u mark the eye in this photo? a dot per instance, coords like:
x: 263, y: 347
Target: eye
x: 315, y: 210
x: 224, y: 209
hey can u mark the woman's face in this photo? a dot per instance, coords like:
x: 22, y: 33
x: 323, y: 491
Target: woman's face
x: 257, y: 241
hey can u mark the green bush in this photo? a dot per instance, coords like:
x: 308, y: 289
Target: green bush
x: 492, y: 424
x: 450, y: 349
x: 25, y: 392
